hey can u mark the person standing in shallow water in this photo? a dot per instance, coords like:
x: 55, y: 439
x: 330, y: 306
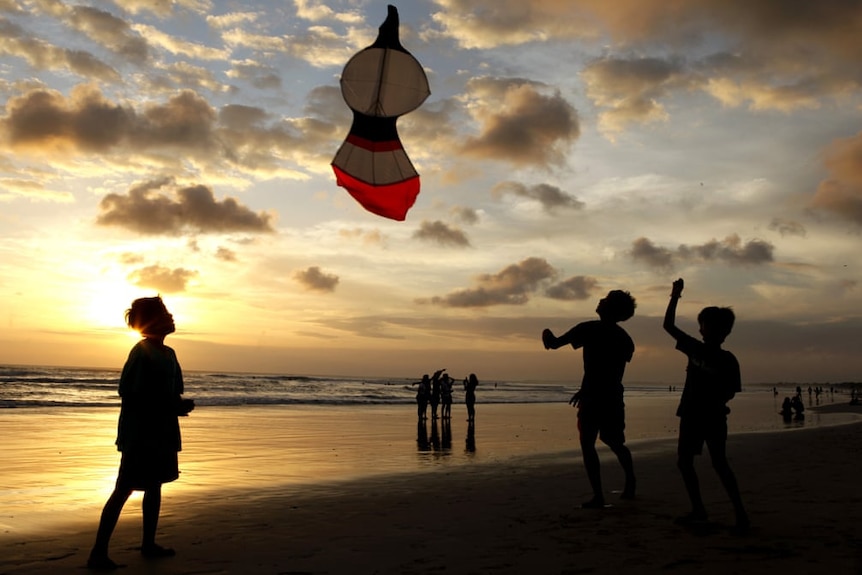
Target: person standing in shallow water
x: 712, y: 379
x: 470, y: 385
x: 607, y: 348
x: 148, y: 432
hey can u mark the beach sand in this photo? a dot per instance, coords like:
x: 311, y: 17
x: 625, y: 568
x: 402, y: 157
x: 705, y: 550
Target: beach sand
x: 327, y: 490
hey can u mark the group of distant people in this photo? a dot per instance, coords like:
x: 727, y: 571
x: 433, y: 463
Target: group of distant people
x: 712, y: 379
x: 436, y: 390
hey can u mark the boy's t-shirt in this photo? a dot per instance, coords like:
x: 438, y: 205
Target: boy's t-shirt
x: 712, y: 379
x: 607, y: 349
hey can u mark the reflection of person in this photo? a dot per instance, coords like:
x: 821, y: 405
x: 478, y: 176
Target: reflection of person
x: 601, y: 411
x: 712, y: 379
x: 148, y: 436
x: 470, y: 385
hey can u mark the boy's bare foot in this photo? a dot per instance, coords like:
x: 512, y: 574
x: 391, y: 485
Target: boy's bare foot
x: 692, y: 518
x: 102, y: 563
x: 594, y: 503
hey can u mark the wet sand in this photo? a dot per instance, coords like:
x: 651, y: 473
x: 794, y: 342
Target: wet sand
x: 329, y: 490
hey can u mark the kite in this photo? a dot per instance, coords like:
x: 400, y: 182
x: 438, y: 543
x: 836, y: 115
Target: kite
x: 380, y: 83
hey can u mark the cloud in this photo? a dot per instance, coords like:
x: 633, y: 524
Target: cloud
x: 550, y: 197
x: 112, y: 32
x: 232, y: 19
x: 313, y: 279
x: 162, y: 279
x: 178, y: 46
x: 629, y: 89
x: 441, y: 233
x: 15, y: 41
x: 761, y: 55
x: 165, y: 8
x: 731, y: 250
x: 465, y: 214
x: 520, y: 122
x: 510, y: 286
x: 189, y: 209
x: 225, y: 254
x: 841, y: 193
x: 573, y: 288
x: 363, y: 236
x: 787, y: 227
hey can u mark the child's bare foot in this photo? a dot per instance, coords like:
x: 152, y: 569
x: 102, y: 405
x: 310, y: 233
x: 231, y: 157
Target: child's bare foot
x: 102, y: 563
x: 594, y: 503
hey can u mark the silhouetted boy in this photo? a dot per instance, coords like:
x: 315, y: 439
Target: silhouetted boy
x: 601, y: 411
x: 712, y: 379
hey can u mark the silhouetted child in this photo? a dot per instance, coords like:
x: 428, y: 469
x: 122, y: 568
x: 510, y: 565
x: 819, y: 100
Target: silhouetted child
x: 148, y: 434
x: 435, y: 392
x: 601, y: 411
x: 787, y: 409
x: 712, y: 379
x: 470, y: 385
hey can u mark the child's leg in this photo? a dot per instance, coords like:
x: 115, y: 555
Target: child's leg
x: 589, y: 434
x: 152, y: 505
x: 718, y: 454
x: 625, y: 458
x: 685, y: 462
x: 107, y: 523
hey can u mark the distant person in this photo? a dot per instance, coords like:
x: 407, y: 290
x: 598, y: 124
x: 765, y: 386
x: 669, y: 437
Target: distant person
x: 148, y: 435
x: 446, y: 383
x: 787, y: 410
x: 470, y: 385
x: 423, y: 393
x: 601, y: 411
x: 798, y: 408
x: 712, y: 379
x: 435, y: 392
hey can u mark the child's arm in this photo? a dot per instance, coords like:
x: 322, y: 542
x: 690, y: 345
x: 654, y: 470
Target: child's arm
x: 670, y: 314
x: 553, y: 342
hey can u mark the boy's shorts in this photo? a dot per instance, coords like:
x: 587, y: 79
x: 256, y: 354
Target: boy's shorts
x: 693, y: 433
x: 606, y: 421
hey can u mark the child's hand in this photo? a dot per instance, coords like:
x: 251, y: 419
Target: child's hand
x: 576, y: 399
x: 676, y: 290
x: 547, y: 338
x: 185, y: 406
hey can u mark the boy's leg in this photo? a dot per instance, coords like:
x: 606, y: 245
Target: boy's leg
x: 718, y: 455
x: 589, y: 434
x: 690, y: 444
x: 625, y: 458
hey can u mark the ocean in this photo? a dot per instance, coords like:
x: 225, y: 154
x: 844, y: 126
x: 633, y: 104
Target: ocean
x: 650, y: 407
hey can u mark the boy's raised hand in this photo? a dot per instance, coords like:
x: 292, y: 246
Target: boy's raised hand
x: 676, y: 290
x: 547, y: 338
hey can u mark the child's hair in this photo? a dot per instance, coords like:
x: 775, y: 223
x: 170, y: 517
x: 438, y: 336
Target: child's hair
x: 719, y: 320
x: 144, y: 311
x: 620, y: 305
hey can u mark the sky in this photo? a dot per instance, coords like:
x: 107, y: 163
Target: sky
x: 568, y: 148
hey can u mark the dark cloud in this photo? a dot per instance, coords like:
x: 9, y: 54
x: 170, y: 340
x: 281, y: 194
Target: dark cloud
x: 573, y: 288
x: 162, y: 279
x: 465, y: 214
x: 111, y: 32
x: 225, y: 254
x: 551, y: 197
x: 15, y: 41
x: 841, y: 193
x: 731, y: 250
x: 787, y: 227
x: 148, y: 211
x: 315, y: 280
x: 521, y: 123
x: 510, y: 286
x: 441, y: 233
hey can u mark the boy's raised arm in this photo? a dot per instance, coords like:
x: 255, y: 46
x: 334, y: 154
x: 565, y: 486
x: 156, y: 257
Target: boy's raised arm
x: 670, y: 313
